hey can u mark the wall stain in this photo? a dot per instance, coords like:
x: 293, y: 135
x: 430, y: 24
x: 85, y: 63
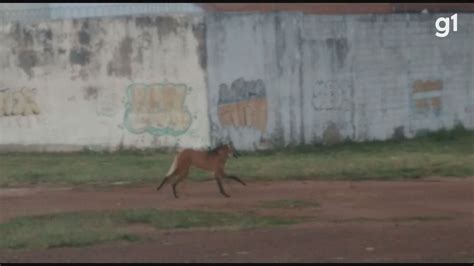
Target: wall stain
x: 144, y: 22
x: 145, y: 41
x: 121, y: 63
x: 280, y: 44
x: 165, y: 26
x: 398, y: 133
x: 22, y: 36
x: 339, y: 48
x: 199, y: 32
x: 91, y: 93
x: 84, y: 37
x: 23, y: 49
x: 45, y: 37
x: 331, y: 134
x: 26, y: 61
x: 80, y: 56
x: 48, y: 34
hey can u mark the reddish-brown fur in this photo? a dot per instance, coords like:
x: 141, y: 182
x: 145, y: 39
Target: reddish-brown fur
x: 212, y: 161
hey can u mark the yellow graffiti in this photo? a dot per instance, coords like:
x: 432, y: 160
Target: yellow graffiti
x: 18, y: 102
x: 158, y: 109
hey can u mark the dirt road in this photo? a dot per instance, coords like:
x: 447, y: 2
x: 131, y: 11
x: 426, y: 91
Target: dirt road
x: 429, y: 220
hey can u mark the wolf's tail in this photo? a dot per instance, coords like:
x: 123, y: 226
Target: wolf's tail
x: 173, y: 166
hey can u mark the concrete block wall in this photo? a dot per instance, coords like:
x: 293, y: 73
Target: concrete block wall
x: 331, y: 78
x: 127, y: 82
x: 260, y: 80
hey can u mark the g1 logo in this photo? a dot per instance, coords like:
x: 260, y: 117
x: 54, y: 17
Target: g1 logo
x: 443, y: 31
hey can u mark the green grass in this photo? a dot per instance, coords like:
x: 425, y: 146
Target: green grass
x: 85, y: 228
x: 444, y: 153
x: 287, y: 203
x: 395, y: 219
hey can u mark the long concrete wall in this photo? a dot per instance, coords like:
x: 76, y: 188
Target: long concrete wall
x: 103, y: 84
x: 281, y: 79
x: 259, y: 80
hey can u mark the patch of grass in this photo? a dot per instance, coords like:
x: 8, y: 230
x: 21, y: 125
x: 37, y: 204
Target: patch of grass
x: 395, y: 219
x: 190, y: 218
x: 287, y: 203
x: 422, y: 219
x: 62, y: 230
x: 85, y: 228
x: 443, y: 153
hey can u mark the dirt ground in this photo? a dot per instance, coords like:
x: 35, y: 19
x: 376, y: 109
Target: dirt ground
x: 428, y: 220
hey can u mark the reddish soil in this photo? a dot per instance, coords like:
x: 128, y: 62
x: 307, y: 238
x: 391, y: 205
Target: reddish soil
x: 429, y: 220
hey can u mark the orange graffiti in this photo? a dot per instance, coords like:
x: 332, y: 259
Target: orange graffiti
x: 429, y: 85
x: 251, y: 113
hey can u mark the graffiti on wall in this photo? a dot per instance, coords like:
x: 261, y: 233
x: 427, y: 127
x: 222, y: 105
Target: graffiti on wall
x: 158, y: 109
x: 18, y: 102
x: 331, y: 95
x: 426, y: 97
x: 244, y: 104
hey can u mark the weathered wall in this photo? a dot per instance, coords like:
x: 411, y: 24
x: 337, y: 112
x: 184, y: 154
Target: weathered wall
x: 338, y: 8
x: 279, y: 79
x: 103, y: 83
x: 260, y: 80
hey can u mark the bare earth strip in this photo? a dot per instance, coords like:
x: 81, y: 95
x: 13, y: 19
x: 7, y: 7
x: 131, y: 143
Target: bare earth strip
x: 430, y: 220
